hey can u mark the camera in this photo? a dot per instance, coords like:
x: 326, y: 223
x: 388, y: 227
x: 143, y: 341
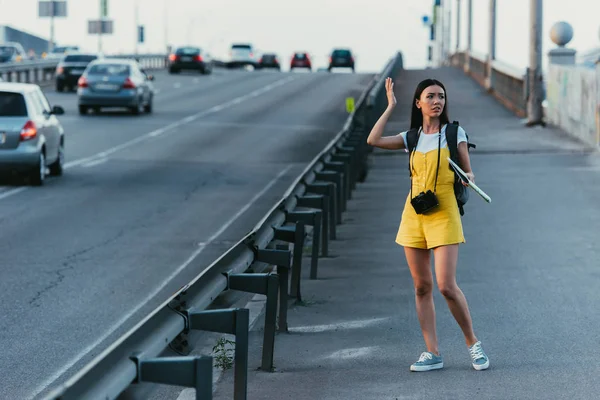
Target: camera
x: 424, y: 202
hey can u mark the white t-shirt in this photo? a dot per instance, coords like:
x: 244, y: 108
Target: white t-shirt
x: 428, y: 142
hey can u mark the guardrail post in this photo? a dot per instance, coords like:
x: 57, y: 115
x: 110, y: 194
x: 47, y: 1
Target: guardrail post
x: 281, y: 257
x: 327, y: 189
x: 267, y: 284
x: 235, y: 322
x: 319, y: 202
x: 314, y: 219
x: 194, y: 372
x: 343, y: 169
x: 294, y: 234
x: 350, y: 160
x: 335, y: 177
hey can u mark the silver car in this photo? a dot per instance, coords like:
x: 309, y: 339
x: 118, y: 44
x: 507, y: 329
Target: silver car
x: 115, y: 83
x: 31, y: 137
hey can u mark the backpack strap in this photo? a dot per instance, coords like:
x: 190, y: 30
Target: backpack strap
x: 411, y: 143
x: 452, y: 139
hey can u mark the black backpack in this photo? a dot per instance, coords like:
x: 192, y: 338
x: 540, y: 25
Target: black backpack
x: 461, y: 192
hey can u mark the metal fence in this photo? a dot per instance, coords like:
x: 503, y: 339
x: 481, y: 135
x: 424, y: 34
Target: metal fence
x: 44, y: 71
x: 504, y: 82
x: 261, y: 262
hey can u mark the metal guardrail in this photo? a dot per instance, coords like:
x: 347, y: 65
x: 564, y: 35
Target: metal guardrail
x: 44, y: 71
x: 261, y: 262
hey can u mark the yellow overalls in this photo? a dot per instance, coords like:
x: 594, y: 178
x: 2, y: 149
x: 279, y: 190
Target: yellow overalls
x: 441, y: 226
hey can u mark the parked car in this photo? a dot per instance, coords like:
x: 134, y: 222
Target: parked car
x: 12, y: 52
x: 60, y: 52
x: 300, y: 60
x: 269, y: 60
x: 341, y: 58
x: 115, y: 83
x: 190, y: 58
x: 241, y: 55
x: 31, y: 137
x: 70, y: 69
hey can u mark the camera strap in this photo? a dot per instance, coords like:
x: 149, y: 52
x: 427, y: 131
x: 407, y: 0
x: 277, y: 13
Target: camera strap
x: 411, y: 156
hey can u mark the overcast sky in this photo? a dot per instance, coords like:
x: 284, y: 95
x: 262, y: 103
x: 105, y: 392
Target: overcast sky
x: 374, y: 29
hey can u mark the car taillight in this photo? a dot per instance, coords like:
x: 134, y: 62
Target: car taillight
x: 172, y: 57
x: 128, y: 84
x: 29, y: 131
x: 59, y: 70
x: 198, y: 58
x: 82, y: 82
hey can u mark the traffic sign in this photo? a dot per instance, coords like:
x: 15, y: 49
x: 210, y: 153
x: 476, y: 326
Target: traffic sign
x: 52, y: 9
x: 104, y: 27
x: 141, y: 34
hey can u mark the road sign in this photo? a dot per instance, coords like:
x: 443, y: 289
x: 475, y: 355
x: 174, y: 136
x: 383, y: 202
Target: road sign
x: 141, y: 34
x: 350, y: 105
x: 52, y: 9
x: 104, y: 27
x: 103, y: 8
x: 425, y: 19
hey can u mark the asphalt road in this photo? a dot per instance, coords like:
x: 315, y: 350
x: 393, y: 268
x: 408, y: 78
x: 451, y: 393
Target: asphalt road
x: 89, y: 254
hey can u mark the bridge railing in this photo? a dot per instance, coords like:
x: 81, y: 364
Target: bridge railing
x: 504, y: 82
x: 572, y: 92
x: 44, y: 71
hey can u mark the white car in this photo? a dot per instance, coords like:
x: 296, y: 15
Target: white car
x: 31, y: 137
x: 241, y: 55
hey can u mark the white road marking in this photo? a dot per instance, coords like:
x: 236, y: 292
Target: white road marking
x: 95, y: 162
x: 177, y: 85
x: 155, y: 292
x: 12, y: 192
x: 157, y: 132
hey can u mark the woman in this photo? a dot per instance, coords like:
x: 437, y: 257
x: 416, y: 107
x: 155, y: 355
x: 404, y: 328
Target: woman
x: 440, y: 228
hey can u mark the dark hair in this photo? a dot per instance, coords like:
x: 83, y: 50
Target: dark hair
x: 416, y: 115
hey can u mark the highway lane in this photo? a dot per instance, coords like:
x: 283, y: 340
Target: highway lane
x: 89, y: 254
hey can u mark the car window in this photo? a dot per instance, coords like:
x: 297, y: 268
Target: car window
x: 341, y: 53
x: 37, y: 103
x: 109, y: 69
x: 43, y: 100
x: 241, y: 47
x: 300, y: 56
x: 12, y: 105
x: 188, y: 51
x: 80, y: 58
x: 7, y: 50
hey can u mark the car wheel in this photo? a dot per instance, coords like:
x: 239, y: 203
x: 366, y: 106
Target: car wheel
x: 38, y: 174
x: 135, y: 110
x: 57, y: 167
x: 148, y: 107
x: 83, y: 110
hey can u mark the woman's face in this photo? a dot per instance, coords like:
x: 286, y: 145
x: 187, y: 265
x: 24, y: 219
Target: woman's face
x: 432, y: 101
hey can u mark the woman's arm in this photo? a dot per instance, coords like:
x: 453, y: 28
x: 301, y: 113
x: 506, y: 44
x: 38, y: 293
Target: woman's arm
x: 375, y: 138
x: 465, y: 161
x: 389, y: 142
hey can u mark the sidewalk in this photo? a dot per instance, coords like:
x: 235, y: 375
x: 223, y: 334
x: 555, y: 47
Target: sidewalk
x: 529, y: 271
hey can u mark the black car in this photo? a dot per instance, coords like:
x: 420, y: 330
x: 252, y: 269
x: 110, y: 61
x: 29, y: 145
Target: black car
x: 269, y: 60
x: 70, y: 68
x: 190, y: 58
x: 341, y: 58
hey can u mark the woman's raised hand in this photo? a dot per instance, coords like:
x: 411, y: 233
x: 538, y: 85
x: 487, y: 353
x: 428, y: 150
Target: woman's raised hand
x: 389, y: 89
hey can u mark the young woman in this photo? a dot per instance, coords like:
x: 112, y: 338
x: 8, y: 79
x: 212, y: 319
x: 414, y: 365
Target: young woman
x: 438, y: 229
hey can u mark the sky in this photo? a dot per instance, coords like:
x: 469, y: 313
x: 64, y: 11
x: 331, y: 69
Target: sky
x: 374, y: 29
